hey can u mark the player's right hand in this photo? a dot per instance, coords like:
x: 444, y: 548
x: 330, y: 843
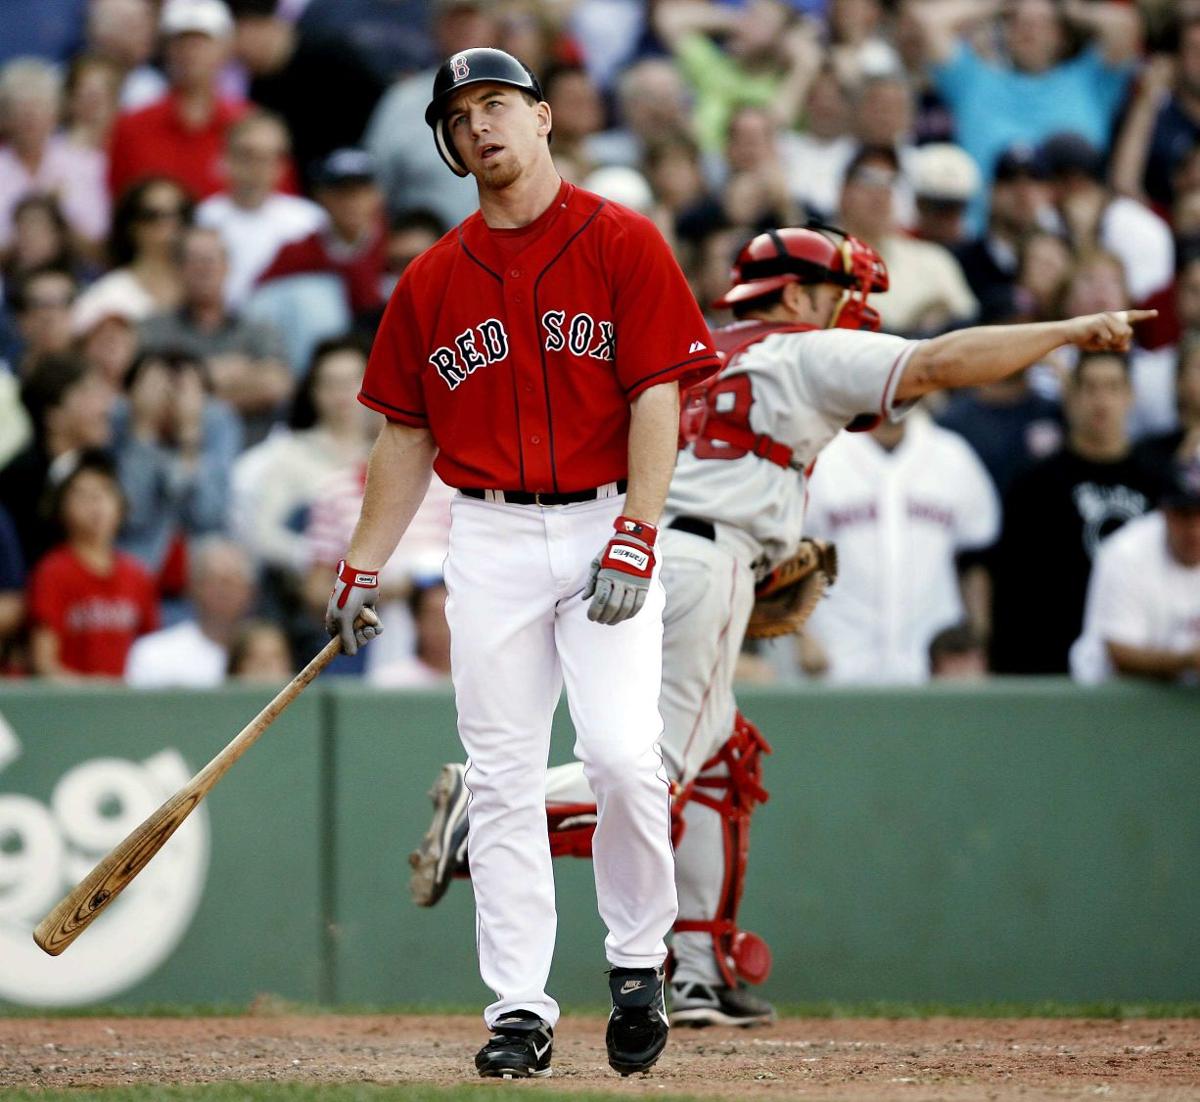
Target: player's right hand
x: 351, y: 609
x: 1108, y: 332
x: 621, y: 573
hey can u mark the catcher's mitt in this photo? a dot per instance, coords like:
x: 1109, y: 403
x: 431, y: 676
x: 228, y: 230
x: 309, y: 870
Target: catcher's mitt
x: 786, y: 597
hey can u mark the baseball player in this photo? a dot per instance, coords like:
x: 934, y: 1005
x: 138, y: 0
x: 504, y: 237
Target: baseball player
x: 798, y: 368
x: 534, y: 356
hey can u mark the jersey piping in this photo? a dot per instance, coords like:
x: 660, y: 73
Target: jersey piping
x: 537, y: 313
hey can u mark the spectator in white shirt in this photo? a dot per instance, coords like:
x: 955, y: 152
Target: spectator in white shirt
x: 195, y: 653
x: 254, y: 218
x: 907, y: 504
x: 1142, y: 617
x: 39, y: 159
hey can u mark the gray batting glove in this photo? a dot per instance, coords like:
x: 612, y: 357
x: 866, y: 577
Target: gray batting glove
x: 351, y: 610
x: 620, y: 574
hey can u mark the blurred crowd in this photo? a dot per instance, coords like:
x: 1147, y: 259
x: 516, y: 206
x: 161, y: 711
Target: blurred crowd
x: 205, y: 204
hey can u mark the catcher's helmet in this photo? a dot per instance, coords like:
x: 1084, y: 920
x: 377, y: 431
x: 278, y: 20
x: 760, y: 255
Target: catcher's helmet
x: 792, y: 255
x: 477, y: 66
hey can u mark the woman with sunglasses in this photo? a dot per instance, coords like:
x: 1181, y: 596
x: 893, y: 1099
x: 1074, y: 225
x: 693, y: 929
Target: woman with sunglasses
x: 143, y: 248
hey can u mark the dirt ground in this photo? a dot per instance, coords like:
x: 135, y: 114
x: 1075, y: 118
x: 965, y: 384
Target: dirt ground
x: 868, y: 1059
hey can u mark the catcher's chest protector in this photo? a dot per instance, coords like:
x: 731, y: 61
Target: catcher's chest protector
x: 710, y: 417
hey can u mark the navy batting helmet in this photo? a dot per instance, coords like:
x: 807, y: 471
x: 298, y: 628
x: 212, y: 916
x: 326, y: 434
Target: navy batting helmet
x: 482, y: 65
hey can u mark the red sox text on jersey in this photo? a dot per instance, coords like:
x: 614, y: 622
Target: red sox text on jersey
x: 521, y: 349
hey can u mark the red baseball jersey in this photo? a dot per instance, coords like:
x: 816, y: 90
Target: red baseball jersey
x: 96, y: 617
x: 521, y: 350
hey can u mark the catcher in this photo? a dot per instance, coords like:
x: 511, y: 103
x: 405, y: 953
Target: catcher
x: 802, y: 361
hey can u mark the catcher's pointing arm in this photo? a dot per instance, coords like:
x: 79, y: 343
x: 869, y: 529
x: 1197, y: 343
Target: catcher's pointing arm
x: 988, y: 353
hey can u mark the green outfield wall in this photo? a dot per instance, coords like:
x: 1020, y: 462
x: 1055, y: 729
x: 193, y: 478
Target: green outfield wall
x: 1016, y: 842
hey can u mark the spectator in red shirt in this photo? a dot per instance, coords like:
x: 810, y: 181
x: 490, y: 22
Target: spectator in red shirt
x: 354, y: 243
x: 88, y: 601
x: 182, y: 135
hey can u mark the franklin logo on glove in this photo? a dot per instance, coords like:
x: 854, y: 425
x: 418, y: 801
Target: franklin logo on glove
x: 621, y: 573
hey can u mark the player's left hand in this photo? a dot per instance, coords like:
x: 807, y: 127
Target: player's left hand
x: 620, y: 574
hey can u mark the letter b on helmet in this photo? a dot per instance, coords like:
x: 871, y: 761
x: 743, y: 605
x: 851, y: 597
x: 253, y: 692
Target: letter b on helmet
x: 482, y: 65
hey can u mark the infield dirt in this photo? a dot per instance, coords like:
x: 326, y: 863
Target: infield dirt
x: 938, y: 1059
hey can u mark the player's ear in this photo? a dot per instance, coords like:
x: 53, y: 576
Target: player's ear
x: 545, y: 122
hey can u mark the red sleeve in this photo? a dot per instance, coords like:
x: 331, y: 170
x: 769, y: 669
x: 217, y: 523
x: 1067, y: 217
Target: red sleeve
x: 150, y: 613
x: 296, y: 258
x: 392, y: 384
x: 661, y: 334
x: 47, y: 604
x: 119, y: 172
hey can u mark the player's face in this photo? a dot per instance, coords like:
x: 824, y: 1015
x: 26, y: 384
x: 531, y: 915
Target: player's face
x: 498, y: 132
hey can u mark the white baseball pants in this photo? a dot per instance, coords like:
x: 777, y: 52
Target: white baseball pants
x: 519, y: 629
x: 709, y: 595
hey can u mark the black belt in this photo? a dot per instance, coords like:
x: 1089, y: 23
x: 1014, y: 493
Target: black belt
x: 524, y: 497
x: 702, y: 528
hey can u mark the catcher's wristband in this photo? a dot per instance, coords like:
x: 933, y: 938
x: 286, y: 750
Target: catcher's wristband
x: 631, y: 550
x: 353, y: 578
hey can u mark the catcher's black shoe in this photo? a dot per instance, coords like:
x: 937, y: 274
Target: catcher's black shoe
x: 444, y: 848
x: 520, y: 1047
x: 637, y: 1026
x: 701, y: 1004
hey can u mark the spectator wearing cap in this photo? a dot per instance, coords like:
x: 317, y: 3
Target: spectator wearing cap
x: 1142, y: 617
x: 1162, y: 125
x: 1020, y: 206
x: 182, y: 136
x: 944, y: 180
x: 105, y: 328
x: 254, y: 217
x: 927, y: 290
x: 245, y: 359
x: 410, y: 168
x: 291, y: 74
x: 70, y: 409
x: 352, y: 245
x: 1035, y: 89
x: 39, y: 159
x: 765, y: 60
x: 1092, y: 215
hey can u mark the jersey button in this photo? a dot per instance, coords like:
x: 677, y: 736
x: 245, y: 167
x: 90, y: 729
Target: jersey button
x: 529, y: 388
x: 535, y: 439
x: 515, y: 273
x: 518, y: 299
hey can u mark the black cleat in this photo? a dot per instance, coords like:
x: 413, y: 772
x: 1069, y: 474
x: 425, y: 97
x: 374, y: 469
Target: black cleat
x: 520, y: 1048
x: 702, y: 1004
x: 444, y: 848
x: 637, y: 1026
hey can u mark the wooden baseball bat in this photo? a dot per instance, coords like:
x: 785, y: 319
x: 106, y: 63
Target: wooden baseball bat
x: 113, y: 874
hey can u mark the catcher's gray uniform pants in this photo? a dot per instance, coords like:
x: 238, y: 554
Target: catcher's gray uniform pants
x: 710, y: 594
